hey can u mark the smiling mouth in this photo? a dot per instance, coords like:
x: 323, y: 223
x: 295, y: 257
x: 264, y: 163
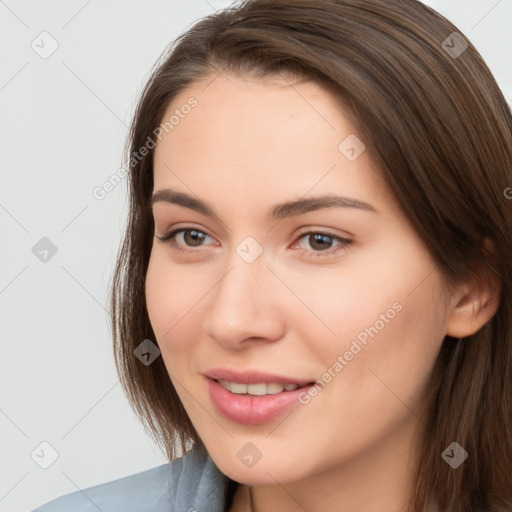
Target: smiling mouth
x: 255, y: 403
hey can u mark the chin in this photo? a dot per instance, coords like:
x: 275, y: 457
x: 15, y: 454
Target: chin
x: 263, y: 472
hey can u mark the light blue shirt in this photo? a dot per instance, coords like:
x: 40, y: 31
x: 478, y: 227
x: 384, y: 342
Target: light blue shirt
x: 192, y: 483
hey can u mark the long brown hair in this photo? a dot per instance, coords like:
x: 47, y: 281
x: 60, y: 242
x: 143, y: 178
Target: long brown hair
x: 434, y: 119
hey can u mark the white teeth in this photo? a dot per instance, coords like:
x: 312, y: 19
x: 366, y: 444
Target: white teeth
x: 225, y: 384
x: 273, y: 388
x: 235, y: 387
x: 259, y: 389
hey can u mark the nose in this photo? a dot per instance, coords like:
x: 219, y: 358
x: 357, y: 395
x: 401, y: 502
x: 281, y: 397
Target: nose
x: 244, y: 306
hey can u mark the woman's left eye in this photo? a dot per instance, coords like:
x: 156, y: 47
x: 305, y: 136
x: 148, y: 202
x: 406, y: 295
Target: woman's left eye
x: 322, y: 240
x: 317, y: 240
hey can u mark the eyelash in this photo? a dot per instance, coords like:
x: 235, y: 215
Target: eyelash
x: 170, y: 239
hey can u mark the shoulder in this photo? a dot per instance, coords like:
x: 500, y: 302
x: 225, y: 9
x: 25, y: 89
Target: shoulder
x: 114, y: 495
x: 191, y: 482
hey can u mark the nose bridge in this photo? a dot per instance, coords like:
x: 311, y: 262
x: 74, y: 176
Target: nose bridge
x: 246, y: 269
x: 243, y: 284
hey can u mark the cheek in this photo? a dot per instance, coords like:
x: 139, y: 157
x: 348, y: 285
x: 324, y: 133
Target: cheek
x: 344, y: 303
x: 395, y: 350
x: 158, y: 299
x: 171, y: 294
x: 385, y: 318
x: 175, y: 299
x: 164, y: 311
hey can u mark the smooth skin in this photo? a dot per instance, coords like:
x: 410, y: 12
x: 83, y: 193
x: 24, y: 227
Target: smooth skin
x: 248, y: 145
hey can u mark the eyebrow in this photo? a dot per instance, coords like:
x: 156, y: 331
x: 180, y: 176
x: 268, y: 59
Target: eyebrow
x: 279, y: 211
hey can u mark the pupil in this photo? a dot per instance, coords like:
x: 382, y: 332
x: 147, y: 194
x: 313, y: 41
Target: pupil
x: 195, y: 236
x: 320, y: 239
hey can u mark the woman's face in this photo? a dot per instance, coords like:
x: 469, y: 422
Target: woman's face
x: 343, y: 295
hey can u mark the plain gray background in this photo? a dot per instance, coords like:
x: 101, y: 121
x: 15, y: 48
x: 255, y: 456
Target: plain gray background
x: 64, y: 120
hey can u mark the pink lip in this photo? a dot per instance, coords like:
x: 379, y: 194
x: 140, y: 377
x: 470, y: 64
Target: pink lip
x: 252, y: 410
x: 253, y: 377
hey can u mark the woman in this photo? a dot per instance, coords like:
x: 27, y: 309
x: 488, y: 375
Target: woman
x: 312, y: 304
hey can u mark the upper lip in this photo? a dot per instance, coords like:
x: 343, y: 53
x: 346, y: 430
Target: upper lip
x: 253, y: 377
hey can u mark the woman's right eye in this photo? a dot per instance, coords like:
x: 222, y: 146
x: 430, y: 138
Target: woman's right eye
x: 191, y: 236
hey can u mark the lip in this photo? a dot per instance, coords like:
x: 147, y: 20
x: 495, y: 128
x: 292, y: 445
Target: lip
x: 252, y: 410
x: 253, y: 377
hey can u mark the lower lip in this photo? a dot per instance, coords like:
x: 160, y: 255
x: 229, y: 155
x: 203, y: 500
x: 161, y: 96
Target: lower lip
x: 252, y: 410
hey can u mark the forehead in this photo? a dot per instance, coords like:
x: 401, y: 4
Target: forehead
x: 244, y: 112
x: 261, y: 138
